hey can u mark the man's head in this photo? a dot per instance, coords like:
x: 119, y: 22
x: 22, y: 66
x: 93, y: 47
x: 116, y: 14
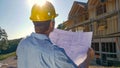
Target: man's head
x: 44, y: 27
x: 43, y: 17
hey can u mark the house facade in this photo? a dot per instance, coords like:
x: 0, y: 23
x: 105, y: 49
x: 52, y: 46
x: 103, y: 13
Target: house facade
x: 102, y: 17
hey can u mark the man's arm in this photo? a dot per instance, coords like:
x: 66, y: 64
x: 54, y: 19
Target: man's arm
x: 62, y: 60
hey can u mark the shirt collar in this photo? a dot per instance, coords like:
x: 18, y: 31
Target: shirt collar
x: 39, y: 36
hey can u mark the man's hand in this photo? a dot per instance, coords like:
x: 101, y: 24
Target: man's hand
x: 90, y: 55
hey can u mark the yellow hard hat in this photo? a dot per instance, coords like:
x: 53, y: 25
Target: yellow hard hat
x: 43, y: 13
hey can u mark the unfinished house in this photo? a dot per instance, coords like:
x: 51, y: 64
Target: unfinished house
x: 77, y: 15
x: 103, y: 18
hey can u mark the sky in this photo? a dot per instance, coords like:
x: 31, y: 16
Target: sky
x: 14, y: 15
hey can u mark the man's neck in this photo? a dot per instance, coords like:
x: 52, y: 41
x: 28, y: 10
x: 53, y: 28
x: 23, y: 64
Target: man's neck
x: 47, y: 34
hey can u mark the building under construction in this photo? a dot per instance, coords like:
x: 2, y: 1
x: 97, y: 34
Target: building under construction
x: 103, y: 18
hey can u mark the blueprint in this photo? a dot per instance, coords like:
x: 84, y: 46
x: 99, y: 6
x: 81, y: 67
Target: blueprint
x: 75, y: 44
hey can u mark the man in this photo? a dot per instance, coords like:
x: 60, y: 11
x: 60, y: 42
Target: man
x: 36, y: 50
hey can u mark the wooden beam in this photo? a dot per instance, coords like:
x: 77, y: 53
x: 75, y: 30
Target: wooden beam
x: 107, y: 15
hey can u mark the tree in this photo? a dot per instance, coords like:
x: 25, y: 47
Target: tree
x: 12, y: 46
x: 3, y: 39
x: 61, y: 26
x: 3, y: 44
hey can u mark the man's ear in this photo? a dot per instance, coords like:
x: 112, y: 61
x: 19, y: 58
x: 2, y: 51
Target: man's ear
x: 51, y: 24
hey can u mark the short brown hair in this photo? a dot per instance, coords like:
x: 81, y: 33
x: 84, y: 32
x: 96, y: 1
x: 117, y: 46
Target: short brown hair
x: 43, y: 26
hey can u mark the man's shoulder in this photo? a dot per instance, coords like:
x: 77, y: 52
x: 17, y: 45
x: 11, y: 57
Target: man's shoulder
x: 25, y: 40
x: 58, y: 49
